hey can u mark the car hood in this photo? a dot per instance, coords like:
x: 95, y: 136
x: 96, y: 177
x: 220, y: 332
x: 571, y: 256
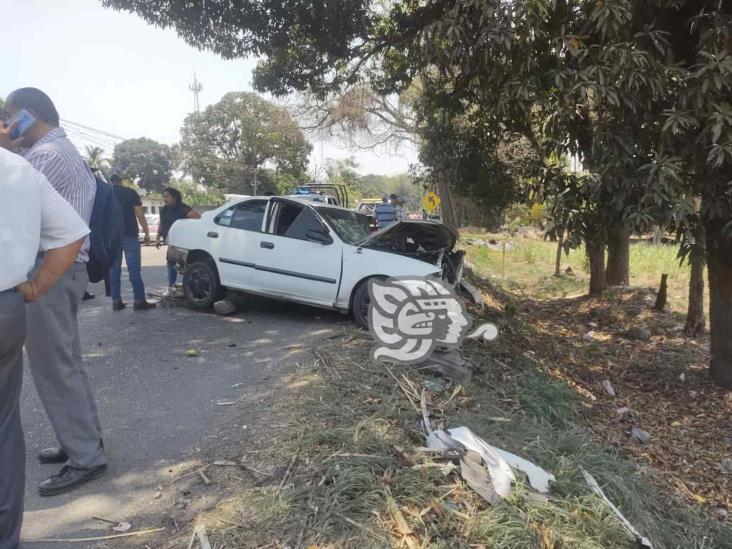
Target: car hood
x: 429, y: 235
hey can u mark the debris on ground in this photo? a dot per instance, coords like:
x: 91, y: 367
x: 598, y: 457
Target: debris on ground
x: 644, y: 542
x: 637, y: 333
x: 472, y: 292
x: 640, y: 435
x: 224, y: 307
x: 200, y: 533
x: 607, y: 386
x: 192, y: 353
x: 450, y: 364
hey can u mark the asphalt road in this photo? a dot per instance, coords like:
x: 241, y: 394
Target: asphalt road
x: 156, y: 404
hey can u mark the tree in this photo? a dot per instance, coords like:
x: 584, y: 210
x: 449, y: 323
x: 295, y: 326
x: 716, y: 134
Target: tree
x: 638, y: 90
x: 144, y: 161
x: 95, y: 157
x: 231, y: 143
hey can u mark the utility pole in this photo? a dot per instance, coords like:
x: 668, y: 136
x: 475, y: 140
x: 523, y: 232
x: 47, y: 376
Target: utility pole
x: 196, y: 87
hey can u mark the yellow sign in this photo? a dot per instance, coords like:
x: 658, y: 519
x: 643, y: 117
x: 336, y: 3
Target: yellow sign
x: 431, y: 202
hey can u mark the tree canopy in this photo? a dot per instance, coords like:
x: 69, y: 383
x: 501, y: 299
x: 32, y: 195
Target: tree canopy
x: 230, y: 142
x: 144, y: 161
x: 637, y: 90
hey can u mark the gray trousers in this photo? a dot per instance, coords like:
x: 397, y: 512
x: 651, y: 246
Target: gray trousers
x: 54, y: 355
x: 12, y: 447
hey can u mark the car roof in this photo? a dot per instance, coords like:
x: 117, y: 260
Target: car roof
x: 293, y: 198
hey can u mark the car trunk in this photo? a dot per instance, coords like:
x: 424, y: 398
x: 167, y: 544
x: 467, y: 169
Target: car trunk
x: 424, y: 240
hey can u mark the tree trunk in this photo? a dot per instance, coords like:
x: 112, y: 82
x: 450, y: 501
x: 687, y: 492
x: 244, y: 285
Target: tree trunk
x: 618, y: 255
x: 447, y: 206
x: 695, y: 319
x: 560, y: 249
x: 595, y: 246
x: 719, y: 265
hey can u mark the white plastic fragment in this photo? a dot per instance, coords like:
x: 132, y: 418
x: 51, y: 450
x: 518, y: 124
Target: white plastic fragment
x: 538, y: 477
x: 500, y: 472
x: 644, y: 542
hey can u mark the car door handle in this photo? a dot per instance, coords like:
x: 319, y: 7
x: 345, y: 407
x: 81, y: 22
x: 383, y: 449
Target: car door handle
x: 267, y: 245
x: 212, y: 234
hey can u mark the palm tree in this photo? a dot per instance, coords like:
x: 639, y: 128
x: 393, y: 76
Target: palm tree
x: 95, y: 157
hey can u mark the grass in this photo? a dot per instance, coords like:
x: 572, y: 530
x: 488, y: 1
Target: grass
x: 351, y: 432
x: 529, y: 268
x: 356, y: 437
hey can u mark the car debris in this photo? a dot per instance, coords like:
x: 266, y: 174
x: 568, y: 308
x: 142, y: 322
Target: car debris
x: 607, y: 386
x: 493, y: 476
x: 451, y: 365
x: 473, y: 293
x: 595, y: 487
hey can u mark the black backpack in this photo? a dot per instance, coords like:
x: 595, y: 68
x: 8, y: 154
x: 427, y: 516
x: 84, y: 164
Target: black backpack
x: 107, y: 229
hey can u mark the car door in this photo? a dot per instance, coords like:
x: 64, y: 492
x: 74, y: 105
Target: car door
x: 235, y: 241
x: 294, y: 262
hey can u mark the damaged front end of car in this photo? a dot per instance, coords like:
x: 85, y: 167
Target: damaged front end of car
x: 426, y: 241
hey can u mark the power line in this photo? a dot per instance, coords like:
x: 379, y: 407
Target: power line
x: 102, y: 132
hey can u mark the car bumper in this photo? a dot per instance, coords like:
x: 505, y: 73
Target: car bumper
x: 179, y: 256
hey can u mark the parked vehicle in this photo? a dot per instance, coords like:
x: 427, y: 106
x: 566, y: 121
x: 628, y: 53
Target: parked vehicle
x: 153, y: 222
x: 317, y: 197
x: 366, y: 207
x: 303, y: 251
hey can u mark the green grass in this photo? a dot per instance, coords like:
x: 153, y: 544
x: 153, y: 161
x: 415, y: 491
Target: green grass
x: 353, y: 483
x: 529, y: 268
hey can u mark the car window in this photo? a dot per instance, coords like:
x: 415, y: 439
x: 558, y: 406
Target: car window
x: 352, y: 227
x: 293, y: 220
x: 246, y: 216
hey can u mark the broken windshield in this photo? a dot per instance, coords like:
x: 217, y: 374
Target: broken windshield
x: 351, y: 227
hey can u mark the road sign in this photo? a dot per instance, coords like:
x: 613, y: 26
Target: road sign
x: 431, y: 202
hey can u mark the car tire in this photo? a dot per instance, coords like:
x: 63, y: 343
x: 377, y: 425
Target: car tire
x: 201, y: 285
x: 361, y: 301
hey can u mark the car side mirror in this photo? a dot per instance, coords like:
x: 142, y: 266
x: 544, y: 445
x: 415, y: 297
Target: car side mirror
x: 319, y: 236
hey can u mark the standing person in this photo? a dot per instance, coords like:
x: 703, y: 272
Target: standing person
x: 173, y: 209
x: 384, y: 213
x: 52, y: 341
x: 35, y: 218
x: 132, y: 214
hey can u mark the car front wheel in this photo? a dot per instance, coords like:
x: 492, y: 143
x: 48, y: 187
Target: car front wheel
x: 201, y: 285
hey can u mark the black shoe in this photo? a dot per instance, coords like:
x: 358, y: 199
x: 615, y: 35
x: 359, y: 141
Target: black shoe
x: 52, y: 455
x: 68, y: 479
x: 88, y: 296
x: 117, y: 305
x: 143, y: 305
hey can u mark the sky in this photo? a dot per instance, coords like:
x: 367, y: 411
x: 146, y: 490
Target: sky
x: 113, y: 72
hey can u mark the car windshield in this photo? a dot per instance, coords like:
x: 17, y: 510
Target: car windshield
x: 351, y: 227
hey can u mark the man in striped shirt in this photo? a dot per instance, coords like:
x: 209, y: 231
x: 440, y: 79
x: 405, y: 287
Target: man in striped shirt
x: 52, y: 343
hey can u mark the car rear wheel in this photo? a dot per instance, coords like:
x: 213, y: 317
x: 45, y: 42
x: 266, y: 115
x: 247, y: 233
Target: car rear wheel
x: 201, y: 285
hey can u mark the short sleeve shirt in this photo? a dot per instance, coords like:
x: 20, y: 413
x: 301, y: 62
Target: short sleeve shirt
x: 35, y: 218
x: 128, y: 199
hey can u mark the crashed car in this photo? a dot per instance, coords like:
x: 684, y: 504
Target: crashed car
x: 303, y: 251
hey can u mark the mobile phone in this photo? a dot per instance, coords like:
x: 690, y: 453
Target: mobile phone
x: 25, y: 121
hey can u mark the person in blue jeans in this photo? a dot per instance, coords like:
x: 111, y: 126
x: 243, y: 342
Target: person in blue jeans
x: 132, y: 214
x: 173, y: 209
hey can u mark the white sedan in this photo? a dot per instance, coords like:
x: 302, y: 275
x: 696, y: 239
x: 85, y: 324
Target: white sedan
x: 303, y: 251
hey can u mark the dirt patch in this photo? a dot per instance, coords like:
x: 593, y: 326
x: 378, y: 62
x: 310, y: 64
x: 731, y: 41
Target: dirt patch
x: 659, y: 377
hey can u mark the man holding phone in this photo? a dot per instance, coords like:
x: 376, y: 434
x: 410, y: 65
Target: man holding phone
x: 52, y: 341
x: 36, y: 219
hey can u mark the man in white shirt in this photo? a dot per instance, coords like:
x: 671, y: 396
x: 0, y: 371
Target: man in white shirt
x: 53, y: 345
x: 35, y: 219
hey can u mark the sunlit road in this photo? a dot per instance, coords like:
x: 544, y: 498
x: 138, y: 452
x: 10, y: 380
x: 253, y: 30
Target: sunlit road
x: 156, y: 403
